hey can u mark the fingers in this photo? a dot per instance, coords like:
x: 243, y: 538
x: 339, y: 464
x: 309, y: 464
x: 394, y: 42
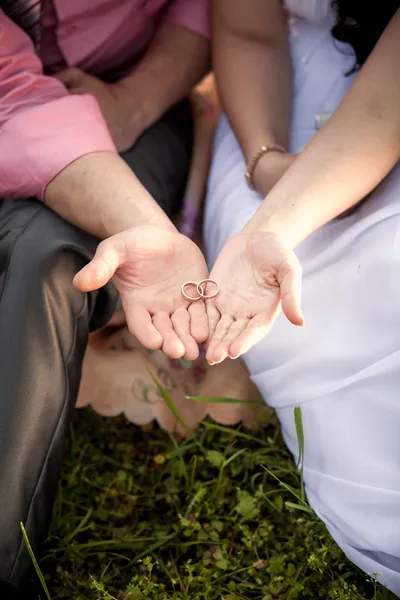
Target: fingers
x: 256, y: 329
x: 71, y: 78
x: 172, y: 345
x: 100, y: 269
x: 290, y: 277
x: 221, y: 349
x: 198, y: 321
x: 181, y: 321
x: 183, y: 331
x: 213, y: 316
x: 214, y: 351
x: 172, y: 334
x: 141, y: 326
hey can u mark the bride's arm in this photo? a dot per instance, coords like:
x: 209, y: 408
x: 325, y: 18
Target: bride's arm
x: 253, y: 73
x: 349, y: 156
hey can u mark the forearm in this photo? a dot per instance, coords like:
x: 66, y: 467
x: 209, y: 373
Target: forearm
x: 100, y: 194
x: 253, y: 72
x: 175, y: 62
x: 350, y: 155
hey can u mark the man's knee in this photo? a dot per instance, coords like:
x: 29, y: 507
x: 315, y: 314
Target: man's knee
x: 38, y: 263
x: 41, y: 269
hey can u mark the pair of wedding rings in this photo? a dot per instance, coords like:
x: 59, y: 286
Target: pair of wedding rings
x: 200, y: 289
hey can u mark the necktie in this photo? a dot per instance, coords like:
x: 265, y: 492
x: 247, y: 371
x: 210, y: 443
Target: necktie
x: 26, y: 14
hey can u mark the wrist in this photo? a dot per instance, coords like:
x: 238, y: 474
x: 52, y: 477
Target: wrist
x: 139, y: 111
x: 274, y: 228
x: 147, y: 214
x: 284, y: 219
x: 101, y: 195
x: 254, y: 161
x: 270, y: 169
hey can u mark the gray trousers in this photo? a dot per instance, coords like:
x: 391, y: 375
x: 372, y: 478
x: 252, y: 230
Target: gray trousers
x: 44, y: 328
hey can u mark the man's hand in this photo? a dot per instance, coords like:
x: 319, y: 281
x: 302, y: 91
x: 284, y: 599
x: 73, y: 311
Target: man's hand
x: 125, y: 124
x: 149, y: 266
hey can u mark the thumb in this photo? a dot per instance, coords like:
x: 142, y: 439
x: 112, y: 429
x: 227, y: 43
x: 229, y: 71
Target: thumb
x: 71, y: 78
x: 289, y: 278
x: 100, y: 269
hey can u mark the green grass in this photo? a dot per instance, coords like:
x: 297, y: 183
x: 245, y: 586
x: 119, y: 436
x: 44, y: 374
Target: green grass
x: 140, y: 516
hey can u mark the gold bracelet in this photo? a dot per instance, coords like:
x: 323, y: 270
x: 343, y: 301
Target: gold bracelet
x: 251, y: 165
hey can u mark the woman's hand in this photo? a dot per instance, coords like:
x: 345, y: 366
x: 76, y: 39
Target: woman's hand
x: 149, y: 265
x: 257, y: 274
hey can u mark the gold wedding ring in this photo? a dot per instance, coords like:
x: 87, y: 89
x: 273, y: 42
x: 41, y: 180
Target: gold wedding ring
x: 199, y: 289
x: 195, y: 285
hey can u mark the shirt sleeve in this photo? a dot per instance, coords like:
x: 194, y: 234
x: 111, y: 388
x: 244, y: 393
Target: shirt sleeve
x: 42, y: 127
x: 190, y: 14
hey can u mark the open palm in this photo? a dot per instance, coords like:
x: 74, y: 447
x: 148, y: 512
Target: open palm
x: 257, y: 275
x: 149, y: 266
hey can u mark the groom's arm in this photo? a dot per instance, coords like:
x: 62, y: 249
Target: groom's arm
x: 57, y: 147
x: 42, y: 127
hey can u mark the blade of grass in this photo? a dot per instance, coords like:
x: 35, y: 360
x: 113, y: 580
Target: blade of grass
x: 193, y: 472
x: 200, y: 543
x: 234, y: 456
x: 154, y: 547
x: 302, y: 507
x: 300, y: 434
x: 283, y: 484
x: 179, y: 456
x: 81, y: 527
x: 181, y: 448
x: 99, y: 587
x: 223, y: 466
x: 298, y: 420
x: 170, y: 403
x: 35, y: 562
x: 103, y: 545
x: 222, y: 400
x: 234, y: 432
x: 199, y: 495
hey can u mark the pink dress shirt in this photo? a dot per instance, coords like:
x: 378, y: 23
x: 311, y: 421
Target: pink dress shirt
x: 42, y: 127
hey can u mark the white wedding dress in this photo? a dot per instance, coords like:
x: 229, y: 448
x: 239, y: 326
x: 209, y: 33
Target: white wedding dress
x: 343, y: 367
